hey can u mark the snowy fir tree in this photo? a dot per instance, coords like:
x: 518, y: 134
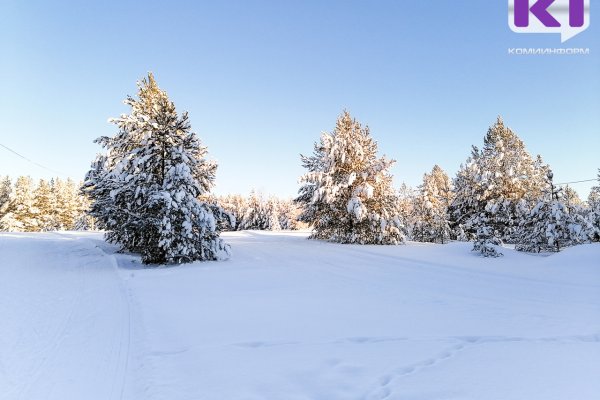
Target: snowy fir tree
x: 581, y: 215
x: 501, y: 173
x: 593, y: 215
x: 144, y: 189
x: 487, y: 238
x: 432, y: 221
x: 347, y: 194
x: 550, y: 225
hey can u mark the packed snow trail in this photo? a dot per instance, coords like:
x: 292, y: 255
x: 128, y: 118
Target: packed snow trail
x: 65, y: 319
x: 290, y: 318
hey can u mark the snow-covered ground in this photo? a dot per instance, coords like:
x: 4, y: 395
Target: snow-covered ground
x: 292, y: 319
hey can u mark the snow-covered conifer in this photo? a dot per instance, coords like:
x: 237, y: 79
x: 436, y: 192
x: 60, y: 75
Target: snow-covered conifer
x: 289, y: 212
x: 67, y: 203
x: 487, y: 238
x: 571, y: 198
x: 432, y: 221
x: 593, y: 212
x: 272, y: 211
x: 550, y: 225
x: 502, y: 173
x: 20, y: 213
x: 84, y: 221
x: 235, y: 206
x: 347, y: 194
x: 145, y: 188
x: 45, y: 203
x: 5, y: 195
x: 260, y: 213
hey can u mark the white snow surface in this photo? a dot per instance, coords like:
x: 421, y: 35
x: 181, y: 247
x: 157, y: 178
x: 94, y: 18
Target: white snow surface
x: 291, y: 318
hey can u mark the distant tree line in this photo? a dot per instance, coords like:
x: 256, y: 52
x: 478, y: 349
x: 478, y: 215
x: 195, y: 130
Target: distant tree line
x: 260, y: 212
x: 43, y: 206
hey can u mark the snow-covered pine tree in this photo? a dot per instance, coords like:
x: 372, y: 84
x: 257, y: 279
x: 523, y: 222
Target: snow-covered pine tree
x: 5, y: 195
x: 571, y: 198
x: 406, y: 203
x: 593, y: 212
x: 84, y: 221
x: 67, y: 203
x: 235, y: 206
x: 254, y: 214
x: 260, y: 213
x: 467, y: 203
x: 145, y: 188
x: 20, y: 214
x: 486, y: 237
x: 550, y: 225
x: 272, y: 211
x: 502, y: 173
x: 97, y: 188
x: 347, y: 194
x: 432, y: 221
x: 594, y: 196
x: 289, y: 212
x: 46, y: 204
x: 583, y: 226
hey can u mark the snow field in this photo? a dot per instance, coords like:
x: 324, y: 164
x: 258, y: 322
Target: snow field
x: 290, y: 318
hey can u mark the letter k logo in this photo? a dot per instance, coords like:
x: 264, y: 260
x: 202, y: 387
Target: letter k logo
x: 539, y: 9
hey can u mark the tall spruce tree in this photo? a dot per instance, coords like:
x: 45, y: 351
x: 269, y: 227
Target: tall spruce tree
x: 145, y: 188
x: 347, y: 194
x: 497, y: 177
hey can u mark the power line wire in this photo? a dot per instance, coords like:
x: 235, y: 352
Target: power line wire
x: 62, y: 173
x: 585, y: 180
x: 31, y: 161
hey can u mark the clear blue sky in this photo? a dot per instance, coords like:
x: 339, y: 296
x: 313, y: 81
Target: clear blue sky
x: 262, y: 79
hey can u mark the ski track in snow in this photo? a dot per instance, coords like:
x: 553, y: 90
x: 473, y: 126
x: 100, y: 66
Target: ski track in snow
x: 90, y: 340
x: 122, y: 346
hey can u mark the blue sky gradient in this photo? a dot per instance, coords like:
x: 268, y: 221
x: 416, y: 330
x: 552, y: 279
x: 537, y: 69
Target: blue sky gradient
x: 262, y: 79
